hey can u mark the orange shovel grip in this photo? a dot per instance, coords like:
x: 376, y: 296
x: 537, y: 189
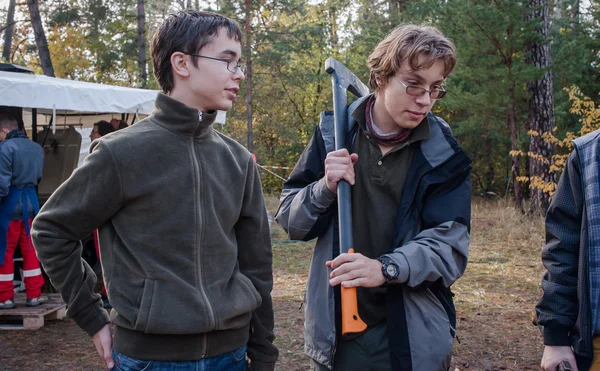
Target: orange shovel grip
x: 351, y: 321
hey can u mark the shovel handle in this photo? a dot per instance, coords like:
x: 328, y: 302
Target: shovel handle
x: 564, y: 366
x: 343, y: 80
x: 351, y: 321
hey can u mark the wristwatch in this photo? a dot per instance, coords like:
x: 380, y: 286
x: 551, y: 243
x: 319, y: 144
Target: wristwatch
x: 389, y: 269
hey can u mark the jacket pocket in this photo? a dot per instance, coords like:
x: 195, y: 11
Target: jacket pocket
x: 236, y: 301
x: 429, y: 330
x: 444, y: 296
x: 126, y: 298
x: 251, y: 288
x: 174, y: 307
x: 145, y: 304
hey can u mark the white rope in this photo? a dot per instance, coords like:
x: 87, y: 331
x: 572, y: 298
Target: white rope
x: 270, y: 172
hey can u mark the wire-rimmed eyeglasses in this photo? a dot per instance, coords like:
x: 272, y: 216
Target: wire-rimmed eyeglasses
x: 417, y: 91
x: 232, y: 64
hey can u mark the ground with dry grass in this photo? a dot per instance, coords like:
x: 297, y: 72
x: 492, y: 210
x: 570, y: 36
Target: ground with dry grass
x: 494, y: 300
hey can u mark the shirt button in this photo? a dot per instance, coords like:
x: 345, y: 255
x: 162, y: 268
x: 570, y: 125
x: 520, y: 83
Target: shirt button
x: 379, y: 163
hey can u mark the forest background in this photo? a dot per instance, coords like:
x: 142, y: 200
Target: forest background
x: 526, y: 81
x: 526, y: 84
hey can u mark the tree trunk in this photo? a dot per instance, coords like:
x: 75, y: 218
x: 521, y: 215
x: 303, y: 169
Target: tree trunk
x: 333, y: 23
x: 141, y: 34
x: 40, y: 38
x: 8, y: 34
x: 396, y: 6
x: 490, y: 174
x: 514, y: 140
x: 249, y: 75
x: 541, y: 108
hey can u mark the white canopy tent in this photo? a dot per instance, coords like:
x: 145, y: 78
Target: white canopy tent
x: 48, y: 93
x: 48, y: 96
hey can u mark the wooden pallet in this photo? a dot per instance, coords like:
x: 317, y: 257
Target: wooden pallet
x: 31, y: 318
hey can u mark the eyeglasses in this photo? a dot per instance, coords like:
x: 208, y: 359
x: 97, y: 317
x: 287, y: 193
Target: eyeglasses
x: 417, y: 91
x: 232, y: 64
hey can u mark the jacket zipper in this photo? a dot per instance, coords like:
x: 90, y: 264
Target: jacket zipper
x: 197, y: 205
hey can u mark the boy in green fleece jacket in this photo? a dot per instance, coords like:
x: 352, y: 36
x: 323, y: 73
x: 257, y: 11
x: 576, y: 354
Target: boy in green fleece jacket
x: 183, y: 230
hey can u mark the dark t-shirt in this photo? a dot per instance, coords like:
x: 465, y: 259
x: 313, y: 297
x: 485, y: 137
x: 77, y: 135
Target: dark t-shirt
x: 376, y: 198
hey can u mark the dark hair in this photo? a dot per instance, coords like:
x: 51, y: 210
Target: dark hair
x: 104, y: 127
x: 8, y: 122
x: 187, y: 31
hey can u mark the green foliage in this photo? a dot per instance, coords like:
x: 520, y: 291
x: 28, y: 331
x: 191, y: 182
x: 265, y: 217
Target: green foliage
x: 290, y: 43
x: 490, y: 77
x: 95, y: 40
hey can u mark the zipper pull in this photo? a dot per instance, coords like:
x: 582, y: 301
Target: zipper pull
x: 200, y: 116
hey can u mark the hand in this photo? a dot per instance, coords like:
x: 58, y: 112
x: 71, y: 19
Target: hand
x: 354, y: 270
x: 103, y: 342
x: 339, y: 165
x: 553, y: 355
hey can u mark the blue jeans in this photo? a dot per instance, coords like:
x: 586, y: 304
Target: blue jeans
x: 234, y: 361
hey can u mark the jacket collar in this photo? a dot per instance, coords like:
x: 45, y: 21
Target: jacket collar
x: 357, y: 110
x: 181, y: 119
x: 16, y: 133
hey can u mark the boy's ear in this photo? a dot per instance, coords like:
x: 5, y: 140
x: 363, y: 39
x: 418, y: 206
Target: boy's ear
x: 179, y: 64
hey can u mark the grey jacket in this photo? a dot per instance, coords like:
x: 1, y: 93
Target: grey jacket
x: 184, y: 240
x: 431, y: 246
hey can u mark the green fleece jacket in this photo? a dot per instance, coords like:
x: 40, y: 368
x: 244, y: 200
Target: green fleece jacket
x: 184, y: 240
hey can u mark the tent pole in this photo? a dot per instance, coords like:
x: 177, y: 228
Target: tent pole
x: 34, y: 124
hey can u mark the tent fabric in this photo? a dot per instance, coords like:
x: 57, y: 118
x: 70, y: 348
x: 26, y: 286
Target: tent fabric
x: 43, y: 92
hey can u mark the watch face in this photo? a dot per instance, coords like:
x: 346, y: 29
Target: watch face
x: 391, y: 270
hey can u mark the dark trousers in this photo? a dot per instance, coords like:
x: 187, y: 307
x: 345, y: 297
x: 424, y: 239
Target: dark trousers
x: 369, y: 351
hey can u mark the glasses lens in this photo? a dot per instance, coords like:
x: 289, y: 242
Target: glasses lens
x: 233, y: 66
x: 438, y: 94
x: 415, y: 91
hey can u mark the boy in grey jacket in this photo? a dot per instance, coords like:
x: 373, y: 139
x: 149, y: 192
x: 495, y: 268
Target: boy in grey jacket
x: 183, y: 230
x: 411, y: 195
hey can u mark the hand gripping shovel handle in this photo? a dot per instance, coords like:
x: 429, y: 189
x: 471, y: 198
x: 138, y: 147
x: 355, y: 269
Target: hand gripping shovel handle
x: 564, y: 366
x: 343, y: 80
